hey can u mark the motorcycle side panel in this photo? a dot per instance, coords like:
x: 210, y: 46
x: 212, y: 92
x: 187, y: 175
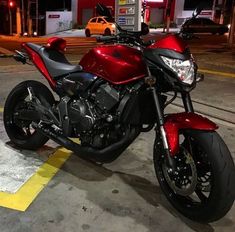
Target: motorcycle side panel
x: 171, y: 42
x: 175, y: 122
x: 117, y: 64
x: 37, y: 60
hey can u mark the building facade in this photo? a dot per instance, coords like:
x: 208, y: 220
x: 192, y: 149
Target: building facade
x: 86, y: 9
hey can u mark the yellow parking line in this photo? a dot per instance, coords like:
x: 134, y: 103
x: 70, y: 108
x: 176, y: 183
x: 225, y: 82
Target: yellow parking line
x: 1, y: 109
x: 217, y: 73
x: 29, y: 191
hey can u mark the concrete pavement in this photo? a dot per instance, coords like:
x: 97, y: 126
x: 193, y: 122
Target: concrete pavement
x: 122, y: 196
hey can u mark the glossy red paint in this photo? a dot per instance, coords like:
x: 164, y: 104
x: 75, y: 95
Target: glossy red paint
x: 39, y: 64
x: 171, y: 42
x: 56, y: 43
x: 117, y: 64
x: 175, y: 122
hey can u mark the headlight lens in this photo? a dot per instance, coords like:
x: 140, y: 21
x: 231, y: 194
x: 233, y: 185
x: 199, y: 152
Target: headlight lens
x: 183, y: 68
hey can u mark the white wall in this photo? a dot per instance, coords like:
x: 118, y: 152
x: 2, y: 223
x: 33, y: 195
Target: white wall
x: 181, y: 14
x: 74, y: 8
x: 58, y: 21
x: 179, y: 7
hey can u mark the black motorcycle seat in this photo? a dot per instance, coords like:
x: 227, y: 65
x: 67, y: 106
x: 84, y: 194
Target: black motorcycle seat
x: 55, y: 61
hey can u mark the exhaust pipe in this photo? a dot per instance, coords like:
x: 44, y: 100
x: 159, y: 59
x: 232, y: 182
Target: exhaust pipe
x: 105, y: 155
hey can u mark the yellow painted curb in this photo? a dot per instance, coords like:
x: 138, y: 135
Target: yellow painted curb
x: 29, y: 191
x: 232, y: 75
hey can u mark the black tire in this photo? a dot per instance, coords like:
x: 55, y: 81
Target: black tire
x: 88, y: 33
x: 222, y: 180
x: 107, y: 32
x: 31, y: 140
x: 221, y: 33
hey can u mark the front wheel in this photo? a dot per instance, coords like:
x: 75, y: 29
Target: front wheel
x: 203, y: 186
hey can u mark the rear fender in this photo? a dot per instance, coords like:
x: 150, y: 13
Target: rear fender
x: 175, y: 122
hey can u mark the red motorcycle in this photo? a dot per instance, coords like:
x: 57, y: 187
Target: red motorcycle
x: 116, y: 92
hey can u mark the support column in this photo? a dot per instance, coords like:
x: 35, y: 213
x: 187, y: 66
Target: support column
x: 74, y: 8
x: 18, y: 21
x: 231, y: 39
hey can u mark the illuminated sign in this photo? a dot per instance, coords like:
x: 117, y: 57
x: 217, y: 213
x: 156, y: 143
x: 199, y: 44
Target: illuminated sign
x: 154, y: 0
x: 128, y: 14
x: 126, y: 10
x: 126, y: 21
x: 51, y: 16
x: 124, y: 2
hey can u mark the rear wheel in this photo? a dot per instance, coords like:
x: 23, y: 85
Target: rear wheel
x: 88, y: 33
x: 204, y: 187
x: 20, y: 131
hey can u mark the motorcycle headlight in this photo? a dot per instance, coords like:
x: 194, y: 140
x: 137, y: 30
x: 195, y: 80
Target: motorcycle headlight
x: 183, y: 68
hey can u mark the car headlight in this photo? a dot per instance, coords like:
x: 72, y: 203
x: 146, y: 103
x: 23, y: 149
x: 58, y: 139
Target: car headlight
x: 113, y: 26
x: 183, y: 68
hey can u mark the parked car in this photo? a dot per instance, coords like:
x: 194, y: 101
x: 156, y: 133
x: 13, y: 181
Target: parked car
x: 99, y: 26
x: 203, y: 25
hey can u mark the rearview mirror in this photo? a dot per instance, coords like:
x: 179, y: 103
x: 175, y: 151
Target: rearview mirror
x: 144, y: 29
x: 102, y: 10
x: 196, y: 12
x: 199, y: 9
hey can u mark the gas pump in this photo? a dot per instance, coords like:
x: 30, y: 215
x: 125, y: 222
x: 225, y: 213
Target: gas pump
x: 145, y: 12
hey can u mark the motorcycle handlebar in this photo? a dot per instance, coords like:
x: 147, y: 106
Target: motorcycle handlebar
x: 106, y: 39
x: 132, y: 38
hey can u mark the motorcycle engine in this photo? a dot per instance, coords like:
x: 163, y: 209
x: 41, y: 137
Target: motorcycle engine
x: 82, y: 115
x: 93, y: 118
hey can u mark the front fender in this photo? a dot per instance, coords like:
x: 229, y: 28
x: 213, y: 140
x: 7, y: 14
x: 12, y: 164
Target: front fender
x: 175, y: 122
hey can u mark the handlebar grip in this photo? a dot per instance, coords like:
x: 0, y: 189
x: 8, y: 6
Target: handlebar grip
x: 105, y: 39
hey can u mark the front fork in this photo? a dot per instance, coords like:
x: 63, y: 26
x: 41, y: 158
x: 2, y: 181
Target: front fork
x: 160, y: 117
x: 188, y: 108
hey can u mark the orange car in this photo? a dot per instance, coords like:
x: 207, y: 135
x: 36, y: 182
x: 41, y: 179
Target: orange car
x: 99, y: 26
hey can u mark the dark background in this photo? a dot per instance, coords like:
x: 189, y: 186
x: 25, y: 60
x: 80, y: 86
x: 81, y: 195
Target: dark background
x: 192, y: 4
x: 54, y: 5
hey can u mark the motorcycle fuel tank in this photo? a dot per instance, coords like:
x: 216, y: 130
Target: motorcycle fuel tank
x: 118, y: 64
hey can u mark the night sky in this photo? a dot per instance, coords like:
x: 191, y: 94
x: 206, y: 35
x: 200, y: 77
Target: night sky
x: 192, y: 4
x: 45, y: 5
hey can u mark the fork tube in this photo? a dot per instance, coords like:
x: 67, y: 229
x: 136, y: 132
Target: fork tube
x: 186, y: 98
x: 160, y: 117
x: 157, y: 106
